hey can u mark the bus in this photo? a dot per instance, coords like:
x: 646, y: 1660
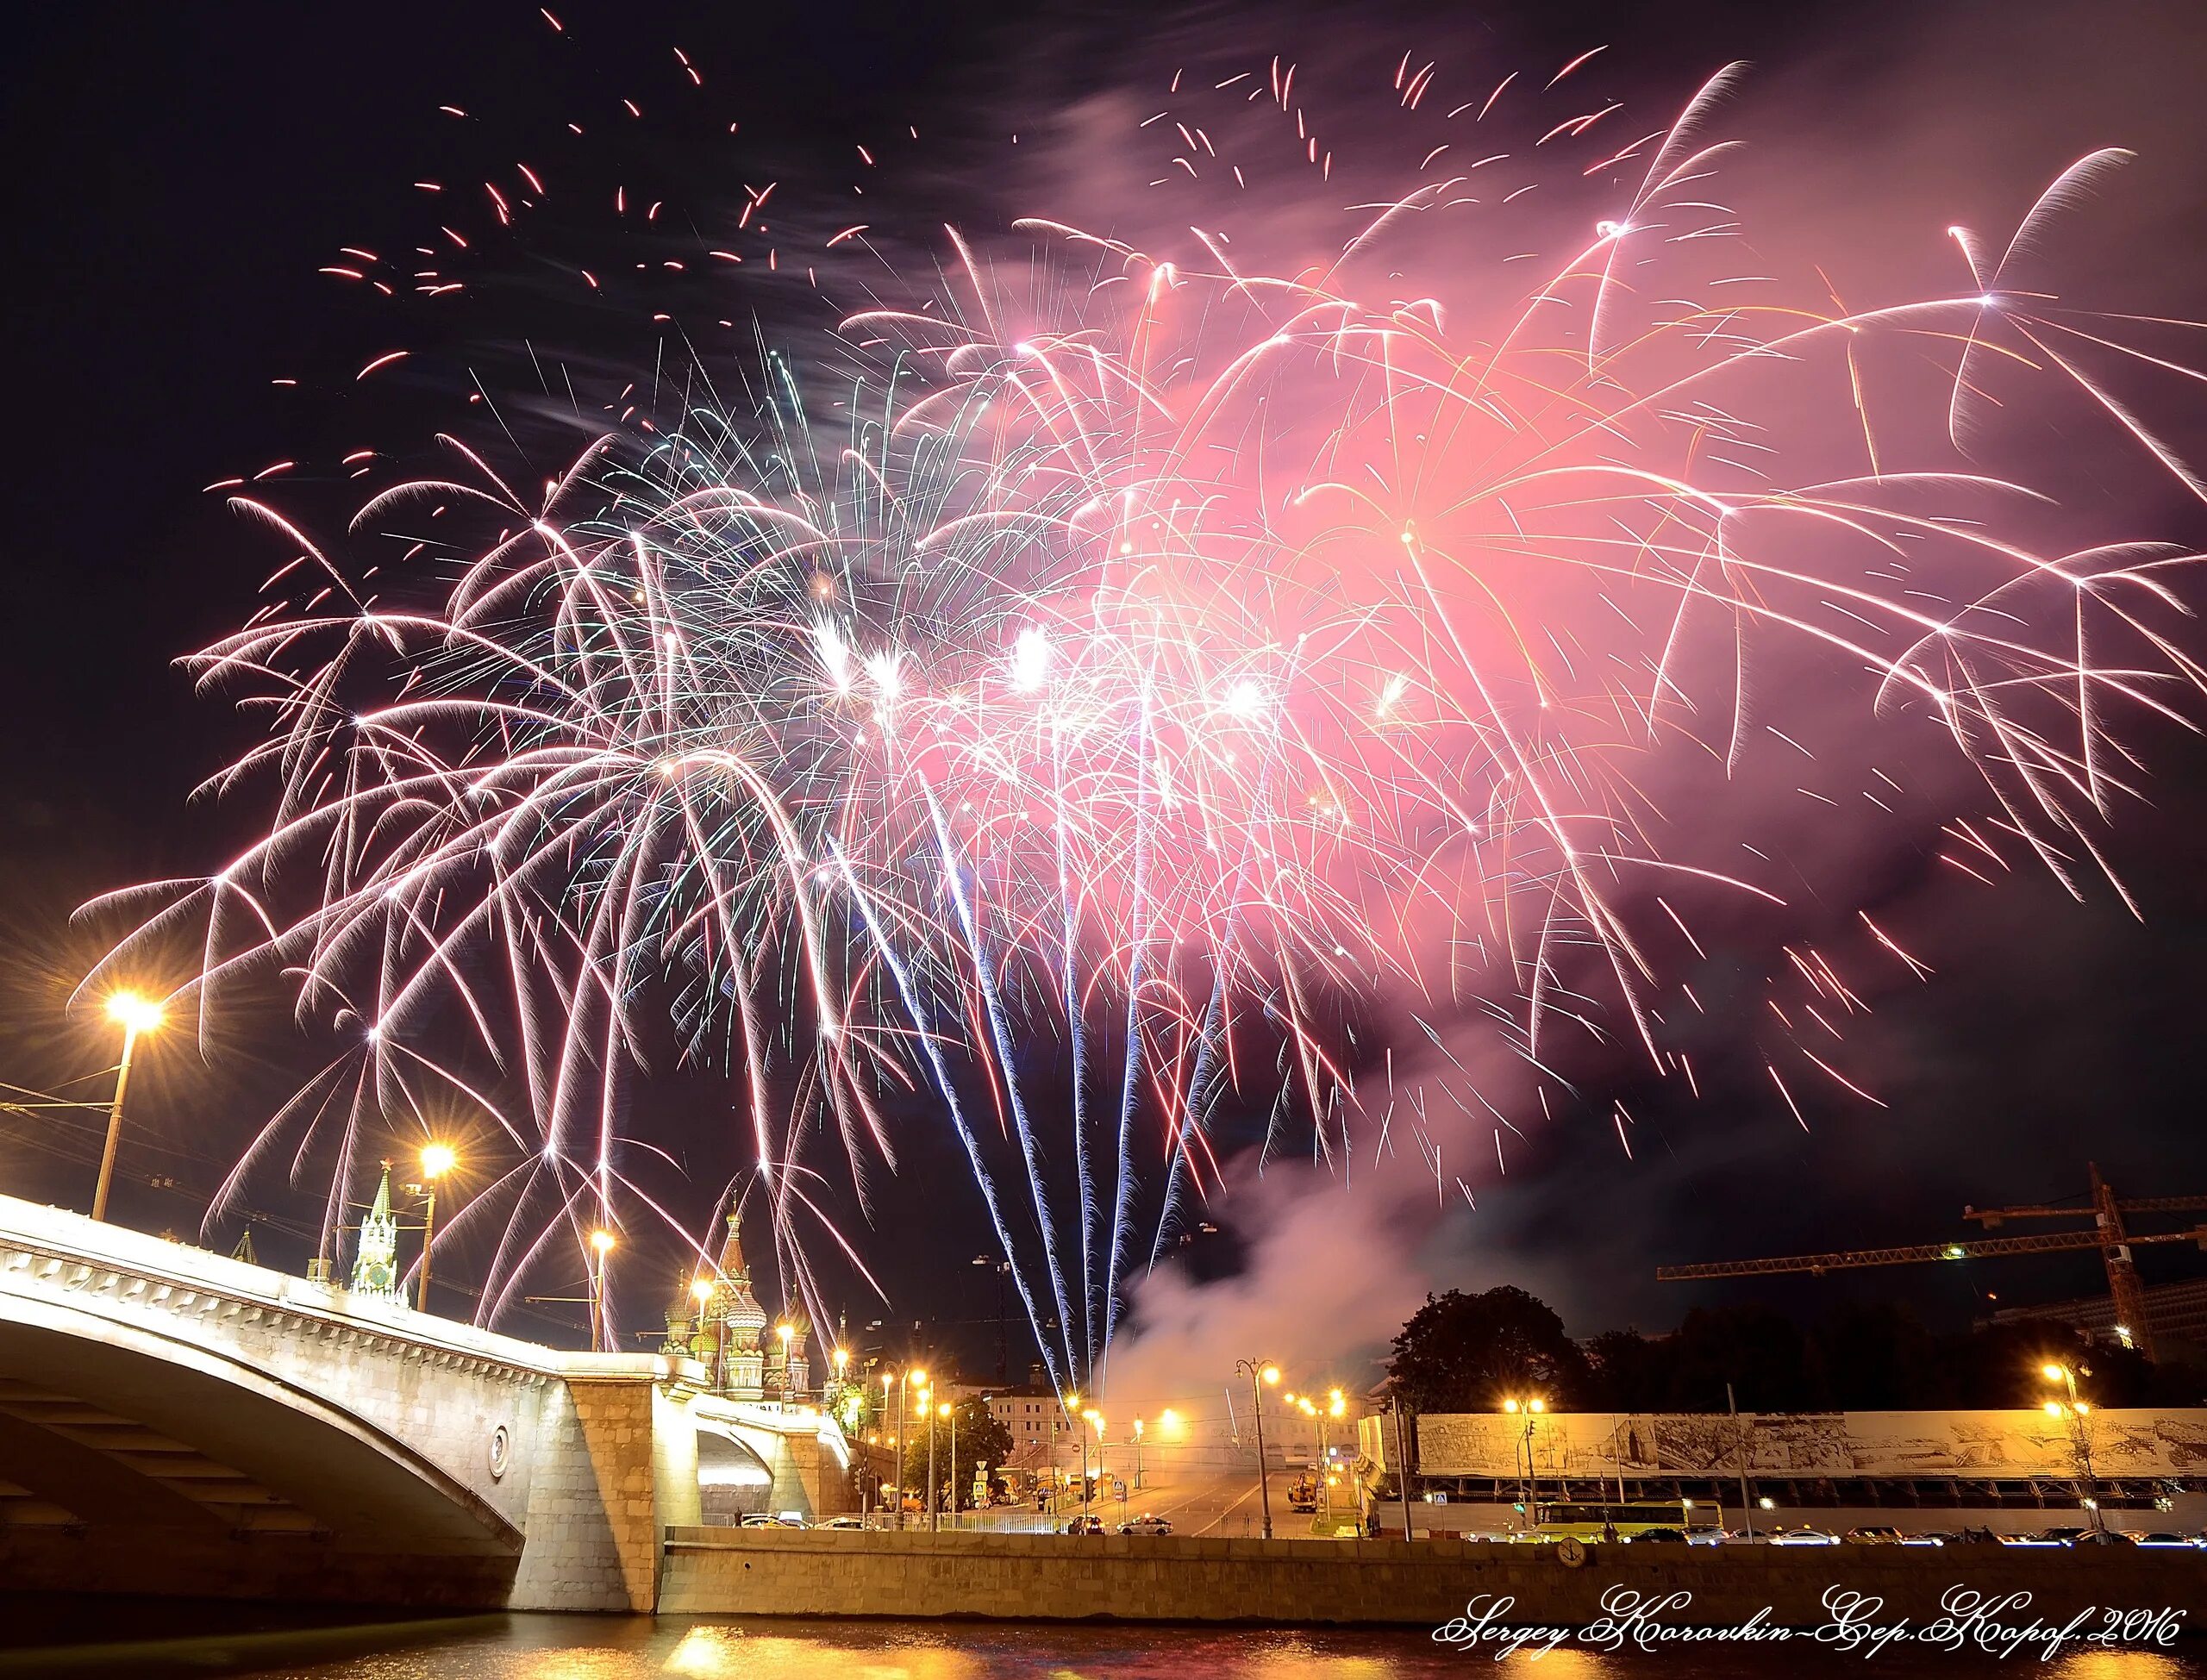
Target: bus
x: 1557, y: 1521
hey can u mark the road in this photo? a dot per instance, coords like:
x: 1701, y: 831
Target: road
x: 1200, y: 1503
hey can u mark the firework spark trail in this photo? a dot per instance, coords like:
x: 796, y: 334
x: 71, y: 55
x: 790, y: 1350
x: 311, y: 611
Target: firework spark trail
x: 1172, y: 649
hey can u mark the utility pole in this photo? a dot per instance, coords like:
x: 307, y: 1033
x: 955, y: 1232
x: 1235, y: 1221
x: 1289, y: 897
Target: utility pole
x: 934, y: 1521
x: 904, y: 1394
x: 1403, y: 1456
x: 1739, y: 1447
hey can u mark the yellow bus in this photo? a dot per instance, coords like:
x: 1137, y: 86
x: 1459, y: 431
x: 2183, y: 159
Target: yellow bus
x: 1634, y: 1520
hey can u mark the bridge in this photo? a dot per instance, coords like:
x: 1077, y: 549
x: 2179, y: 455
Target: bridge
x: 173, y: 1421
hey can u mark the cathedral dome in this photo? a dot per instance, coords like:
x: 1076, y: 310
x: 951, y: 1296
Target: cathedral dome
x: 733, y: 1300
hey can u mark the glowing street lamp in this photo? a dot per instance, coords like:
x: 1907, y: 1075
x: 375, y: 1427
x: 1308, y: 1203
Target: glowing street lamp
x: 134, y: 1014
x: 437, y: 1159
x: 951, y: 1412
x: 889, y: 1382
x: 787, y: 1333
x: 927, y: 1407
x: 1261, y: 1373
x: 1529, y: 1408
x: 2076, y: 1411
x: 602, y: 1241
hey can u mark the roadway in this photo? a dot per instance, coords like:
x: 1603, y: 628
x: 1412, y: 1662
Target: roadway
x: 1206, y: 1504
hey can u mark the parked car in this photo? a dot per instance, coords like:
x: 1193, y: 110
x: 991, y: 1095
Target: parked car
x: 1659, y: 1537
x: 2102, y: 1537
x: 1084, y: 1525
x: 1145, y: 1524
x: 1804, y: 1537
x: 845, y: 1523
x: 1876, y: 1534
x: 760, y: 1520
x: 2163, y: 1537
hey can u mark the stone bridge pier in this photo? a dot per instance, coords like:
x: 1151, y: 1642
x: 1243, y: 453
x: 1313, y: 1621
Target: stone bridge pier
x: 175, y: 1421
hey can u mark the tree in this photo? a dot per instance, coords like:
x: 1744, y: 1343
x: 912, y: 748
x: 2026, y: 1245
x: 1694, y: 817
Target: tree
x: 1629, y: 1372
x: 981, y: 1440
x: 1469, y: 1353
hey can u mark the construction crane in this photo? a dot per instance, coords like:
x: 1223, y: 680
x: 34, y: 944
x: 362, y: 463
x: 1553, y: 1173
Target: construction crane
x: 2108, y: 1233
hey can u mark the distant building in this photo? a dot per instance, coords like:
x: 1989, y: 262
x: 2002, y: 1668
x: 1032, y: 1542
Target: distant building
x: 2012, y: 1470
x: 1032, y: 1415
x: 2176, y: 1312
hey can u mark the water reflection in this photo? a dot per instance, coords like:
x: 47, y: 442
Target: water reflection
x: 536, y: 1647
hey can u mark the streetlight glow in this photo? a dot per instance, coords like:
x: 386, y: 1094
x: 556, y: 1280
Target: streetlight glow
x: 602, y: 1241
x: 437, y: 1159
x: 1270, y: 1375
x: 134, y: 1014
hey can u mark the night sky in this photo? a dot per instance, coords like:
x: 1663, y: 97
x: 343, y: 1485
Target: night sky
x: 178, y: 173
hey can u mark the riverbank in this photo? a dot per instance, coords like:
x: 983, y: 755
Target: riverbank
x: 788, y: 1572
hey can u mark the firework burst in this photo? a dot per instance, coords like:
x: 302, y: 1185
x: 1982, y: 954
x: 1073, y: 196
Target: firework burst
x: 1160, y: 682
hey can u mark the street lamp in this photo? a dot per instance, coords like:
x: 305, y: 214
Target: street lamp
x: 1070, y: 1407
x: 927, y: 1408
x: 1137, y: 1455
x: 1529, y: 1408
x: 951, y: 1412
x: 1095, y: 1421
x: 787, y: 1333
x: 2077, y: 1412
x: 134, y: 1014
x: 888, y: 1382
x: 1260, y: 1372
x: 437, y: 1159
x: 602, y: 1241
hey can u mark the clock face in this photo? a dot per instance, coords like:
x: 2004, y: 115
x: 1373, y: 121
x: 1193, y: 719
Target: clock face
x: 379, y: 1275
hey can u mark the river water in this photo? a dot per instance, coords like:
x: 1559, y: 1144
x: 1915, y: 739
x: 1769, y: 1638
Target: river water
x: 161, y: 1641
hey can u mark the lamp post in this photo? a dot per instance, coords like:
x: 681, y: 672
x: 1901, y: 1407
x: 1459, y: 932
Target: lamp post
x: 1395, y: 1404
x: 135, y: 1014
x: 1094, y: 1418
x: 1066, y: 1407
x: 889, y: 1381
x: 1260, y: 1372
x: 1137, y: 1455
x: 602, y: 1241
x: 1336, y: 1405
x: 951, y: 1412
x: 1087, y: 1491
x: 927, y: 1411
x: 437, y: 1159
x: 787, y: 1333
x: 2077, y: 1412
x: 1530, y: 1409
x: 912, y: 1379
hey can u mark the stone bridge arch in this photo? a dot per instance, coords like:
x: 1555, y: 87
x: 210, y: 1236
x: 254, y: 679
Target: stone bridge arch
x: 146, y: 1448
x: 174, y: 1421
